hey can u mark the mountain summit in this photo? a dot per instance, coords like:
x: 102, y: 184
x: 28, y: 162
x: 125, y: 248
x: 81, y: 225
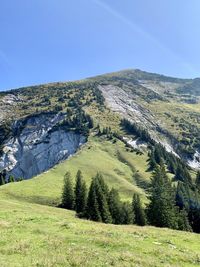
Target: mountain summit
x: 34, y: 118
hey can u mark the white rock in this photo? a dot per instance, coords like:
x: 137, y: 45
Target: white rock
x: 195, y: 163
x: 36, y: 149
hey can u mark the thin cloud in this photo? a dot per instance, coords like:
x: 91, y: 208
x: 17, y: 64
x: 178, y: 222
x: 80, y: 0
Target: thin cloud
x: 136, y: 28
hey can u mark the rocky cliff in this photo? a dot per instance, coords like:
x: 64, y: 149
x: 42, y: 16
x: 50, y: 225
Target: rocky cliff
x: 167, y: 108
x: 36, y: 145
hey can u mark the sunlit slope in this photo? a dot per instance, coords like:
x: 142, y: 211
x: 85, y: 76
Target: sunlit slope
x: 122, y: 169
x: 39, y: 235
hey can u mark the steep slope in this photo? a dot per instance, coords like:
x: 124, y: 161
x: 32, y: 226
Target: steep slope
x: 122, y: 169
x: 35, y: 146
x: 41, y: 126
x: 161, y: 105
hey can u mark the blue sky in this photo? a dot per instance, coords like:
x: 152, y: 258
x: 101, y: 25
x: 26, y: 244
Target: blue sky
x: 59, y: 40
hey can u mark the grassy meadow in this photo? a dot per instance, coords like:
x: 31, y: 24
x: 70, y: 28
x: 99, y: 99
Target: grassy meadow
x: 36, y: 233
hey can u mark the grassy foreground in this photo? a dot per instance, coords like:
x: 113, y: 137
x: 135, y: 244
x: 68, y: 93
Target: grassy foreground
x: 39, y: 235
x: 32, y: 233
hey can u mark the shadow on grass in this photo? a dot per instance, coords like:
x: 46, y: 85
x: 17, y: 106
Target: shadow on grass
x: 37, y: 199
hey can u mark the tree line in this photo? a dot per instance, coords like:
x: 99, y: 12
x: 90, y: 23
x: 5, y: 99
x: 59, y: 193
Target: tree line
x: 99, y: 203
x: 5, y: 178
x: 187, y: 193
x: 104, y: 205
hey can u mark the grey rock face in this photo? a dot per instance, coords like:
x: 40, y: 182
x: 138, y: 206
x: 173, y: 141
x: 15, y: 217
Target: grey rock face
x: 123, y: 102
x: 37, y: 146
x: 195, y: 163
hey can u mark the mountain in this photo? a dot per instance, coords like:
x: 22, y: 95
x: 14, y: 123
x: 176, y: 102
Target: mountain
x: 33, y: 118
x: 116, y: 124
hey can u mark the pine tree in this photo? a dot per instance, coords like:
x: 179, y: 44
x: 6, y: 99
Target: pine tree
x: 161, y: 209
x: 102, y: 198
x: 152, y: 161
x: 97, y: 202
x: 183, y: 221
x: 194, y: 219
x: 182, y: 174
x: 11, y: 179
x: 80, y: 193
x: 171, y: 164
x: 127, y: 216
x: 3, y: 177
x: 198, y: 180
x: 103, y: 185
x: 140, y: 217
x: 92, y: 208
x: 114, y: 206
x: 2, y: 181
x: 158, y: 154
x: 182, y: 195
x: 68, y: 192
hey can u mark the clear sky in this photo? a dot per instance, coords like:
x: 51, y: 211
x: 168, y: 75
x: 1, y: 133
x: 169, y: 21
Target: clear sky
x: 59, y: 40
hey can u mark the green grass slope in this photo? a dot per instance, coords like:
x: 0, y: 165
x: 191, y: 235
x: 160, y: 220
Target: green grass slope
x: 116, y: 164
x: 40, y: 235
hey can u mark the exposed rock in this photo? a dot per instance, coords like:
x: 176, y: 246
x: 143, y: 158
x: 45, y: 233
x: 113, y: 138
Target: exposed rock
x: 136, y: 144
x: 195, y: 163
x: 7, y: 104
x: 35, y: 147
x: 123, y: 102
x: 11, y: 99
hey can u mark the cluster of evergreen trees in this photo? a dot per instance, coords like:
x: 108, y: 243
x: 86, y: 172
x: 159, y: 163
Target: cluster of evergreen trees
x: 187, y: 194
x: 162, y: 210
x: 99, y: 203
x: 104, y: 205
x: 4, y: 178
x: 80, y: 122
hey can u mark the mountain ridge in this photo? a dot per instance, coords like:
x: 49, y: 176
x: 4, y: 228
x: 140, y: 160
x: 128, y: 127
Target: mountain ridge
x: 123, y: 71
x: 129, y: 124
x: 133, y: 94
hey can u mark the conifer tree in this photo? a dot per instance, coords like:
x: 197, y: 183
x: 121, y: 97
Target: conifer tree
x: 198, y: 180
x: 152, y: 161
x: 102, y: 198
x: 194, y: 218
x: 140, y: 217
x: 68, y: 192
x: 127, y: 216
x: 157, y: 154
x: 2, y: 181
x: 183, y: 221
x: 3, y: 177
x: 11, y: 179
x: 97, y: 203
x: 161, y: 209
x: 103, y: 185
x: 182, y: 174
x: 92, y: 208
x: 171, y: 164
x: 80, y: 193
x: 114, y: 206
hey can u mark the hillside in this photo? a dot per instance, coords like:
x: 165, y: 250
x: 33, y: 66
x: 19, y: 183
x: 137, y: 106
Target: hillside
x: 159, y: 104
x: 119, y: 124
x: 40, y: 235
x: 34, y: 118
